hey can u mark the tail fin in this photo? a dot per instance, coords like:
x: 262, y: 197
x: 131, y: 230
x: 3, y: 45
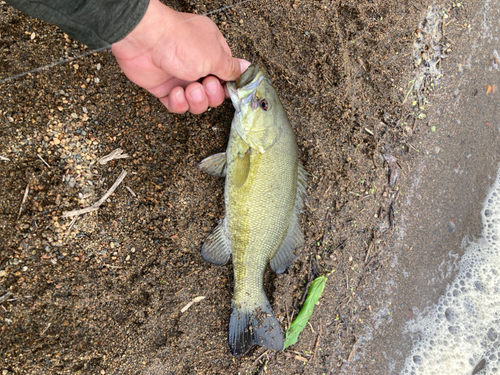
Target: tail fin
x: 247, y: 328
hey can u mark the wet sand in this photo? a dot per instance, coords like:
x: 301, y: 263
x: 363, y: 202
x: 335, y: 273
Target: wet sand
x: 441, y: 197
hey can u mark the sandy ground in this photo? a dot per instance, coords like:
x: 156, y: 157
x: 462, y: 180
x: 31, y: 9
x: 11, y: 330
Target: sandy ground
x: 104, y: 295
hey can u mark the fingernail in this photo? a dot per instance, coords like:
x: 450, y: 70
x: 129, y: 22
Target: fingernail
x: 178, y: 95
x: 211, y: 88
x: 197, y: 95
x: 244, y: 64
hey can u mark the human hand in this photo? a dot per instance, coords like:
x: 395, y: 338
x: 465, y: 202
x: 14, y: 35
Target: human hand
x: 169, y: 52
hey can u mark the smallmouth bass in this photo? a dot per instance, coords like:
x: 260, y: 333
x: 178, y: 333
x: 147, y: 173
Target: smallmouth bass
x: 264, y: 189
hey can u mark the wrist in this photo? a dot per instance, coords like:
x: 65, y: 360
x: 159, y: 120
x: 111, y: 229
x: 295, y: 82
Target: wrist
x: 145, y: 34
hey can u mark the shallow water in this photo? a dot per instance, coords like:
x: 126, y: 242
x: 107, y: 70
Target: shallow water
x: 441, y: 216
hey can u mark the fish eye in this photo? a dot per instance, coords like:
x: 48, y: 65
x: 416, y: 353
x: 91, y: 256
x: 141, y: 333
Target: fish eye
x: 264, y: 105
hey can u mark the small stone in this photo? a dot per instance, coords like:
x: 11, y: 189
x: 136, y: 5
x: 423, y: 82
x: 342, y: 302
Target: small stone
x: 56, y: 141
x: 71, y: 182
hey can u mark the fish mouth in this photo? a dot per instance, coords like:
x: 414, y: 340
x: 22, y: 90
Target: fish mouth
x: 243, y: 90
x: 248, y: 76
x: 233, y: 94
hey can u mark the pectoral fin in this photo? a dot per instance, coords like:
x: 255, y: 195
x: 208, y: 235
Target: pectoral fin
x: 214, y: 165
x: 242, y: 168
x: 216, y: 249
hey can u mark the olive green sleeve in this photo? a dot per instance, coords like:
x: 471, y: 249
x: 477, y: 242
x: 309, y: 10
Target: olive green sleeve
x: 96, y: 23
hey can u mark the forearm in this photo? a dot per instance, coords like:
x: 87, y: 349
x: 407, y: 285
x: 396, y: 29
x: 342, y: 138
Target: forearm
x: 96, y: 23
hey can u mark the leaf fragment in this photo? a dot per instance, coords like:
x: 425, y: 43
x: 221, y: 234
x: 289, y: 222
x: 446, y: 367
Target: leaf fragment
x: 313, y: 295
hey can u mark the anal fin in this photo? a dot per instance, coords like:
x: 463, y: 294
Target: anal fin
x: 216, y: 249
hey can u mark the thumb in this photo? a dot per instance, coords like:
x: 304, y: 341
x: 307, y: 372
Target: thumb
x: 244, y: 64
x: 230, y: 68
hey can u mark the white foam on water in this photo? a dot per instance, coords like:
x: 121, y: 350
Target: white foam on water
x: 461, y: 333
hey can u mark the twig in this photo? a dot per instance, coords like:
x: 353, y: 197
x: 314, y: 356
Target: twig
x: 317, y: 340
x: 116, y: 154
x: 130, y: 191
x: 305, y: 292
x: 310, y: 325
x: 26, y: 191
x: 45, y: 329
x: 287, y: 315
x: 297, y: 356
x: 353, y: 352
x: 71, y: 224
x: 413, y: 147
x: 368, y: 252
x: 4, y: 158
x: 96, y: 205
x: 44, y: 162
x: 5, y: 297
x: 80, y: 212
x: 193, y: 301
x: 260, y: 356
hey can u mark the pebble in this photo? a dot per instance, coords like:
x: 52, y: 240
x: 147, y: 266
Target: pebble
x: 71, y: 182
